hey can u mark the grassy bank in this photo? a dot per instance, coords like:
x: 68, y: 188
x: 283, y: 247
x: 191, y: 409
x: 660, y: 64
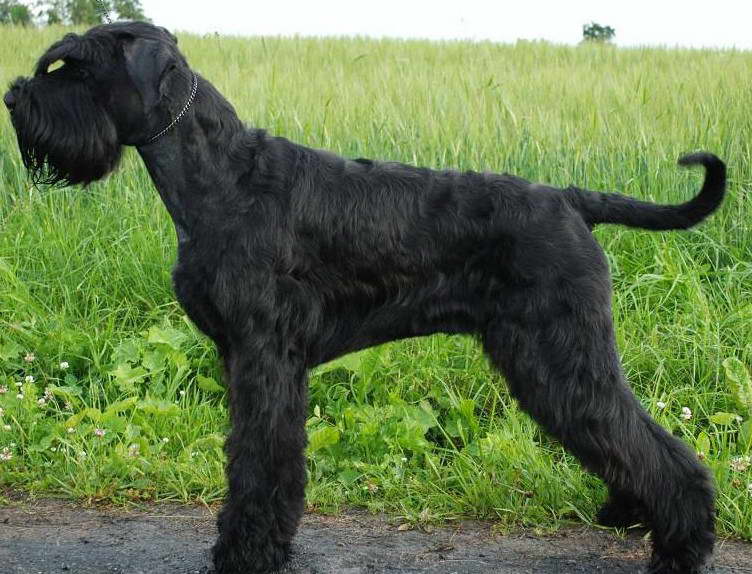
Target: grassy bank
x: 119, y: 392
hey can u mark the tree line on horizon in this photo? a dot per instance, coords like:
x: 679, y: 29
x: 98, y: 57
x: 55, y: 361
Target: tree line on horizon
x: 68, y: 12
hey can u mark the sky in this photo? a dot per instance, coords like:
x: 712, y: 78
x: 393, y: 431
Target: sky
x: 689, y: 23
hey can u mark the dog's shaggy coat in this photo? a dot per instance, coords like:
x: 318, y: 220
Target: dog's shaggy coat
x: 289, y: 257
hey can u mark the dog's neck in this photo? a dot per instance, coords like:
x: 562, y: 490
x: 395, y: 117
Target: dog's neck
x: 199, y: 140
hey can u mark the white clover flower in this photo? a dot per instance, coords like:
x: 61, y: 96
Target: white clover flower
x: 686, y: 413
x: 29, y: 378
x: 165, y: 440
x: 3, y: 389
x: 100, y: 432
x: 71, y: 430
x: 661, y: 405
x: 6, y: 427
x: 64, y: 365
x: 740, y: 463
x: 41, y: 402
x: 29, y: 358
x: 182, y: 393
x: 20, y: 396
x: 5, y: 454
x: 133, y: 450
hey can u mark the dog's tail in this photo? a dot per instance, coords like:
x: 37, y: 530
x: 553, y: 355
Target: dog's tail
x: 614, y: 208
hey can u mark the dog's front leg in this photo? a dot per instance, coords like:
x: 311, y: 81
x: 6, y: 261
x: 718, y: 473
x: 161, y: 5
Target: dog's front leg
x: 265, y: 458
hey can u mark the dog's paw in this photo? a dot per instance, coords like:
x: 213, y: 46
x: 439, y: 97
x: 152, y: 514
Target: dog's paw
x: 249, y: 558
x: 673, y: 566
x: 615, y: 515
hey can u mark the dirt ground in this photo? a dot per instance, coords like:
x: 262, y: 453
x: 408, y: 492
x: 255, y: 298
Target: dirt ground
x: 47, y: 536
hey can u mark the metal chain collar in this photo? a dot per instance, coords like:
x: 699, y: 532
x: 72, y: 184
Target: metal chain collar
x: 194, y: 89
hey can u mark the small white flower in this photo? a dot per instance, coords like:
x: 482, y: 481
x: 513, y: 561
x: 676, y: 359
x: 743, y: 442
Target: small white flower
x: 661, y: 405
x: 82, y: 454
x: 29, y: 358
x: 53, y: 449
x: 5, y: 454
x: 3, y: 389
x: 100, y: 432
x: 68, y: 406
x: 41, y: 402
x: 182, y: 393
x: 686, y: 413
x: 19, y: 383
x: 29, y: 378
x: 740, y: 463
x: 71, y: 430
x: 64, y: 365
x: 133, y: 450
x: 165, y: 440
x: 6, y: 427
x: 20, y: 396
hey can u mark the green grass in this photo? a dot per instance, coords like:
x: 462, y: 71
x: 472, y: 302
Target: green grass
x: 420, y: 428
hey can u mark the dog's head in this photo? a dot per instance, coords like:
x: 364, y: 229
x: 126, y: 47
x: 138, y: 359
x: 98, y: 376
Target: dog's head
x: 93, y: 93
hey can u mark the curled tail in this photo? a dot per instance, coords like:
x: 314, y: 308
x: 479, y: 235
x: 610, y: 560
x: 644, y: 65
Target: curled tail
x: 614, y: 208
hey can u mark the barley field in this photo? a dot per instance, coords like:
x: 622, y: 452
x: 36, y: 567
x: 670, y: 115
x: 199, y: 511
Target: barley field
x: 107, y: 392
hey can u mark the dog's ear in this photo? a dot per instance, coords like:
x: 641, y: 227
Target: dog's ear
x: 147, y: 63
x: 69, y: 47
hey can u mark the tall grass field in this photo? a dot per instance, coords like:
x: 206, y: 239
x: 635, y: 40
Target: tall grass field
x: 107, y: 392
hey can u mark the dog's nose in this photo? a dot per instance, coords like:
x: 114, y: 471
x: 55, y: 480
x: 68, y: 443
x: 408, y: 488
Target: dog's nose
x: 9, y: 100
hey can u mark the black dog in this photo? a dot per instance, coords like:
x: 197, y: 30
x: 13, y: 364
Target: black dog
x: 289, y: 257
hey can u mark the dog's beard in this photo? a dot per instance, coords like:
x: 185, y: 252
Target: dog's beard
x: 64, y: 136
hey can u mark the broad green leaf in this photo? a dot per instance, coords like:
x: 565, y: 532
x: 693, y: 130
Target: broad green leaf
x: 91, y: 413
x: 126, y: 376
x: 745, y: 437
x: 10, y: 350
x: 166, y: 336
x: 158, y: 407
x: 128, y: 351
x: 721, y: 418
x: 739, y: 382
x: 348, y: 476
x: 321, y: 438
x: 121, y: 406
x: 154, y: 359
x: 702, y: 444
x: 209, y: 385
x: 113, y: 422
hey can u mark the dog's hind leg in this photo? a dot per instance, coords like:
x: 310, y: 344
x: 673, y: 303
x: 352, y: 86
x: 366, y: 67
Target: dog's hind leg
x: 265, y: 458
x: 563, y: 368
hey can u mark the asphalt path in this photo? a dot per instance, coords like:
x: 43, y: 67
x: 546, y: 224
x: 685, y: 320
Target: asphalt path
x: 47, y: 536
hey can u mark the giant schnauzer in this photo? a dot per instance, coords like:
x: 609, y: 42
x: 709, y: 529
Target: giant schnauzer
x: 290, y: 256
